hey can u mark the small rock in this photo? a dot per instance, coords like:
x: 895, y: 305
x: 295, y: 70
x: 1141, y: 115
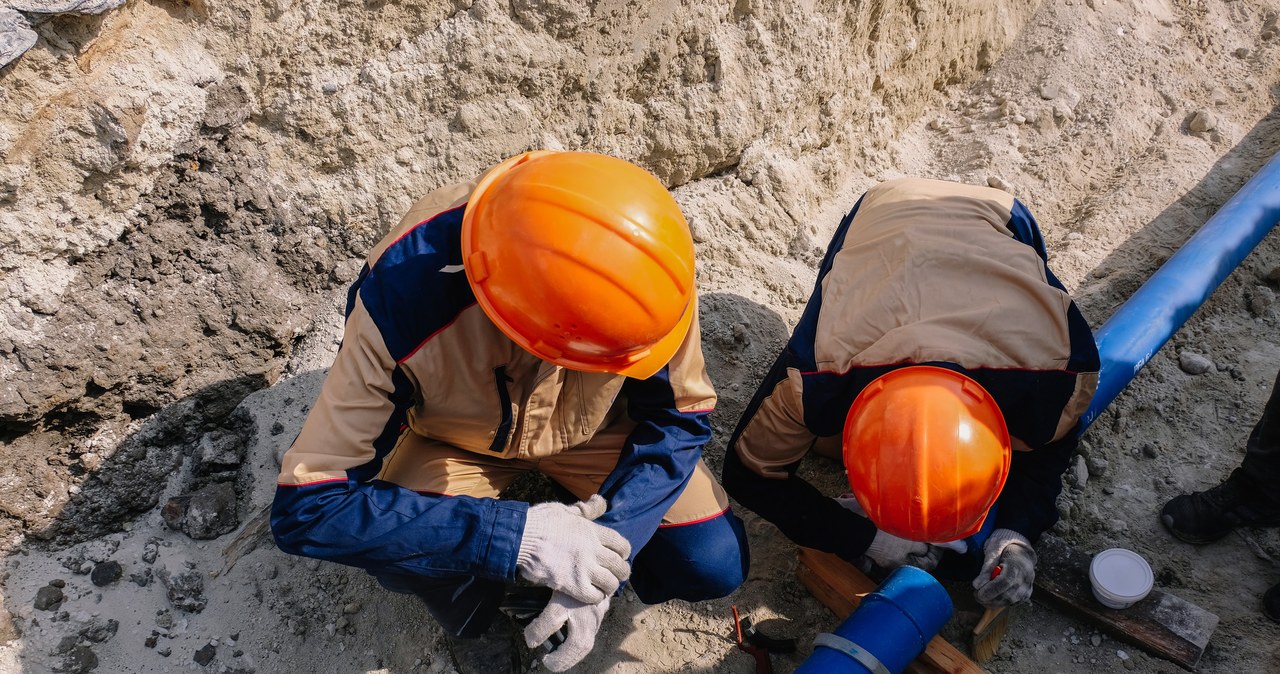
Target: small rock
x: 1194, y: 363
x: 1097, y: 466
x: 185, y: 590
x: 1095, y: 640
x: 1202, y: 121
x: 205, y: 655
x: 353, y: 607
x: 66, y: 644
x: 217, y: 452
x: 204, y: 514
x: 48, y: 598
x: 99, y: 630
x: 1260, y: 298
x: 1079, y: 472
x: 150, y: 551
x: 166, y: 651
x: 150, y: 642
x: 1149, y: 450
x: 1242, y: 52
x: 106, y: 573
x: 58, y: 582
x: 78, y: 661
x: 999, y: 183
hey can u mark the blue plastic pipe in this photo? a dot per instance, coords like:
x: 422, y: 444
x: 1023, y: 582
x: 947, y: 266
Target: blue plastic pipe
x: 890, y: 628
x: 1164, y: 303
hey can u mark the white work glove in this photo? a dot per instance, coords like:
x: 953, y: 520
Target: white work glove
x: 850, y: 502
x: 889, y: 551
x: 582, y: 622
x: 1012, y: 552
x: 564, y: 550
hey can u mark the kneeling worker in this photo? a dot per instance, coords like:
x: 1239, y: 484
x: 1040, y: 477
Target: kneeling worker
x: 542, y: 319
x: 952, y: 365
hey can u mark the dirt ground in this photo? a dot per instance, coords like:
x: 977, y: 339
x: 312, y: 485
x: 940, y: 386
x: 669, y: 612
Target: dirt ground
x: 1122, y: 125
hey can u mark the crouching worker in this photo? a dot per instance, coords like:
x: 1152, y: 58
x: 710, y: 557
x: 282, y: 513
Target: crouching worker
x: 950, y: 366
x: 542, y: 319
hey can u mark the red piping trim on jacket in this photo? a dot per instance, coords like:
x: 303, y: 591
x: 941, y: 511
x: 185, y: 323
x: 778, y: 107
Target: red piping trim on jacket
x: 708, y: 518
x: 409, y: 231
x: 432, y: 336
x: 308, y: 484
x: 908, y: 364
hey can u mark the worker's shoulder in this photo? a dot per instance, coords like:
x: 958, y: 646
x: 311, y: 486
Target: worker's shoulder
x: 449, y: 199
x: 437, y: 201
x: 909, y: 188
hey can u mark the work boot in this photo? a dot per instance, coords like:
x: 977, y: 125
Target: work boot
x: 1206, y: 516
x: 1271, y: 603
x: 500, y: 650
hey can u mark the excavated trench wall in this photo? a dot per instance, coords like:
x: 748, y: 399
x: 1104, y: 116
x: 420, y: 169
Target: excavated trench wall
x: 187, y: 187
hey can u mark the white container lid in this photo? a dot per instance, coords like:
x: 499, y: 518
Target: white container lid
x: 1122, y: 574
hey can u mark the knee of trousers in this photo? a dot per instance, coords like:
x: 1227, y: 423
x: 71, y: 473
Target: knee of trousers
x: 694, y: 562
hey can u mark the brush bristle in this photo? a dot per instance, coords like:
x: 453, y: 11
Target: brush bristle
x: 987, y: 640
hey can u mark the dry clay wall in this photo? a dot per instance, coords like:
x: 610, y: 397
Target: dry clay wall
x: 187, y: 186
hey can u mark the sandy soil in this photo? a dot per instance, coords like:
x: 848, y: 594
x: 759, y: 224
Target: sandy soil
x: 1122, y: 125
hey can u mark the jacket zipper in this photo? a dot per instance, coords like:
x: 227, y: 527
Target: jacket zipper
x: 503, y: 433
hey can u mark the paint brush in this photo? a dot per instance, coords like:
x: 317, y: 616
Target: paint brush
x: 990, y: 629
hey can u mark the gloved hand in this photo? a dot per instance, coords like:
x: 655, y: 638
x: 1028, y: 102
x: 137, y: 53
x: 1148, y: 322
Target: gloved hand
x: 582, y: 621
x: 850, y: 502
x: 1012, y: 552
x: 890, y: 552
x: 564, y: 550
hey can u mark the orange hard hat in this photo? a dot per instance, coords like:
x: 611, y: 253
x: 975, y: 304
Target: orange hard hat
x: 927, y: 452
x: 582, y: 259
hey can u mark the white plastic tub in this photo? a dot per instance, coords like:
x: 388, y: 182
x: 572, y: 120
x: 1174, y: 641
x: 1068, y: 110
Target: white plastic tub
x: 1120, y: 577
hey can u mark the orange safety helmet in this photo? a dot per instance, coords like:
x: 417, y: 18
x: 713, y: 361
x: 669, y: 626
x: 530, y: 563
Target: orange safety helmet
x: 582, y: 259
x: 927, y: 452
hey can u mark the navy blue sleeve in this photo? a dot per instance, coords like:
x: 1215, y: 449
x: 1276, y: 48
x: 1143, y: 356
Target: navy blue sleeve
x: 656, y: 462
x: 379, y: 526
x: 801, y: 512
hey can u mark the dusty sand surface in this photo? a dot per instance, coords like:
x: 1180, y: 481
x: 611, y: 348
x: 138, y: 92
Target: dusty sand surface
x: 1122, y: 125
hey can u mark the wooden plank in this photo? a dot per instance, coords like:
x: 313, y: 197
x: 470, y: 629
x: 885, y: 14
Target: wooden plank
x: 839, y: 586
x: 1162, y: 624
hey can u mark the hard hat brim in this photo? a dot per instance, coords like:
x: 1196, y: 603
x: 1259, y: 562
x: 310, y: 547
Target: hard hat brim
x: 660, y: 354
